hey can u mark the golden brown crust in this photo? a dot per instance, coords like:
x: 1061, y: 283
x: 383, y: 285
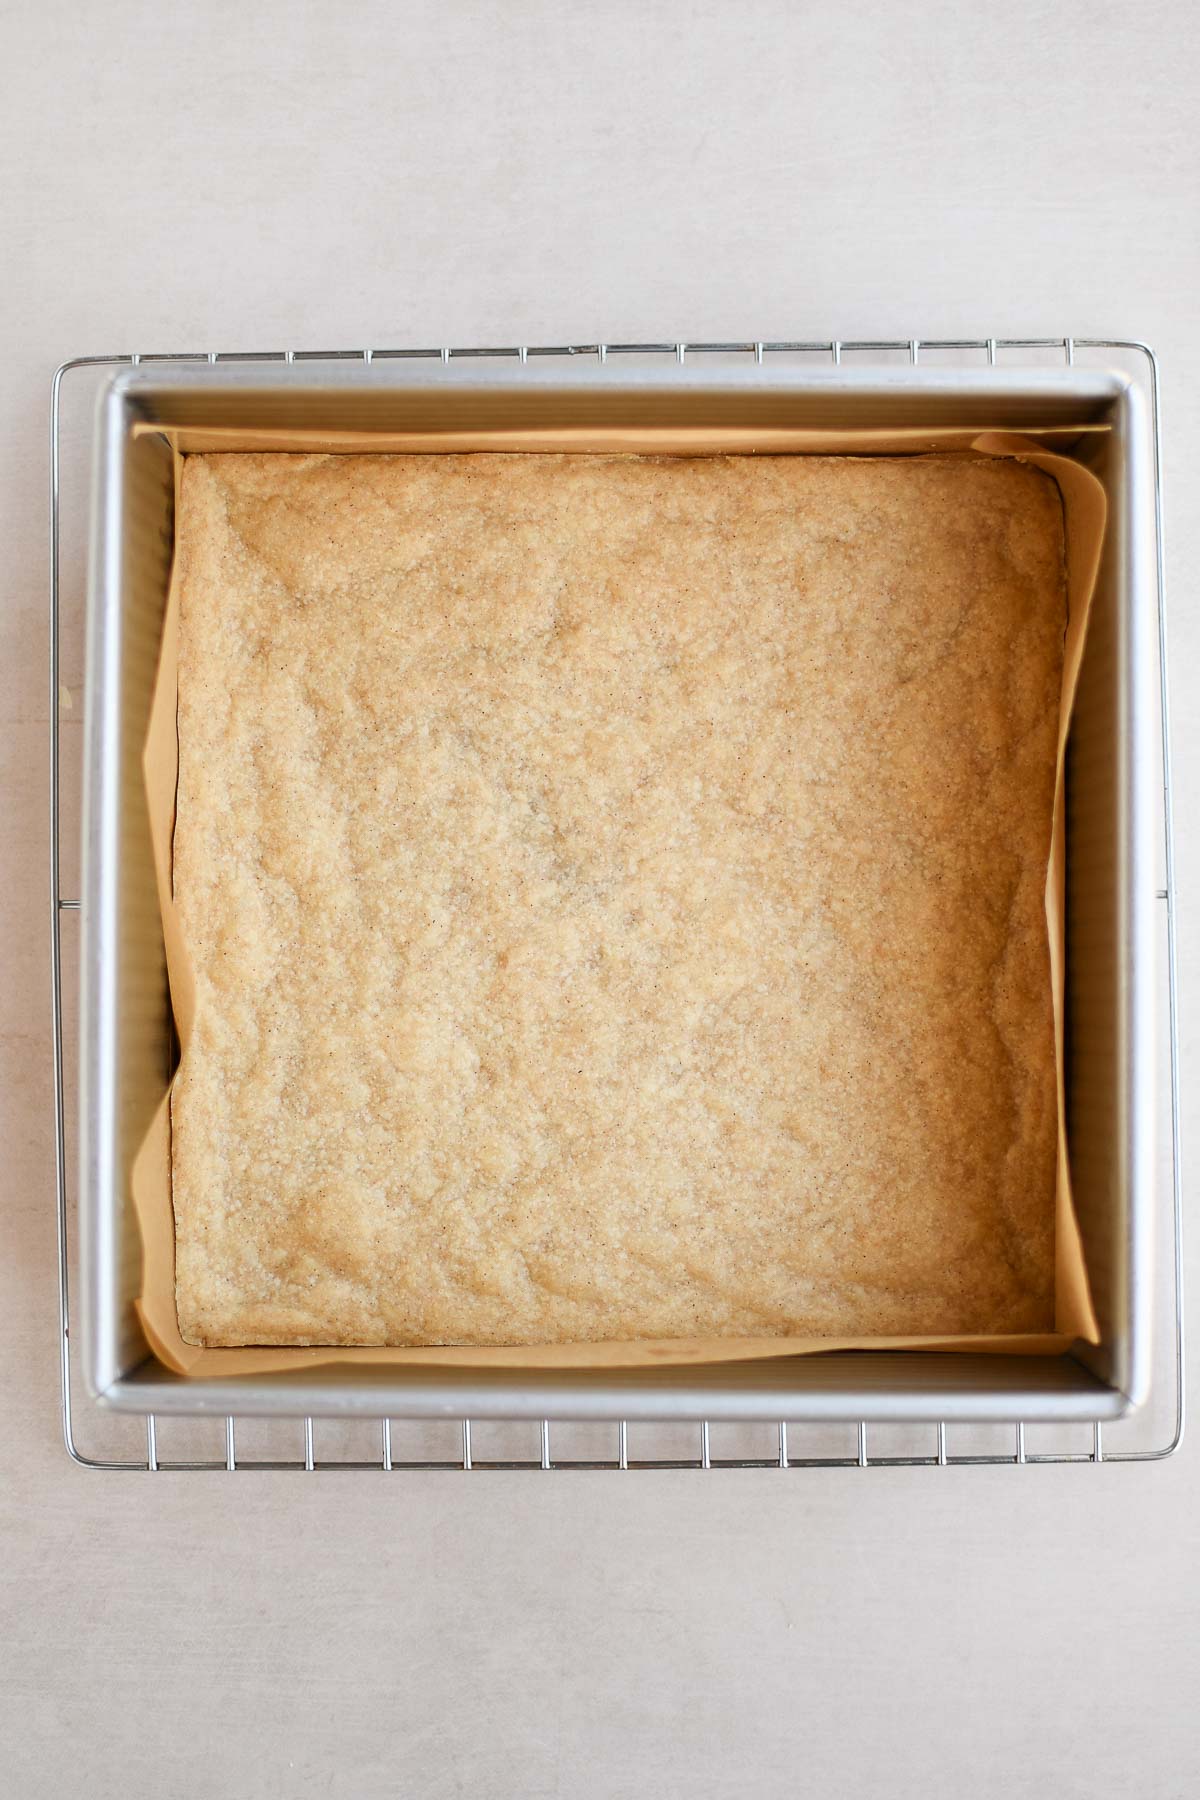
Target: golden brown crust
x: 616, y: 892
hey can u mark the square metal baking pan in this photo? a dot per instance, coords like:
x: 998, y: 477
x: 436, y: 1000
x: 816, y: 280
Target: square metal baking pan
x: 127, y: 1042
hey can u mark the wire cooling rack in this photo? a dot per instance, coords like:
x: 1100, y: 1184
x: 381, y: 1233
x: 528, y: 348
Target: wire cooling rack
x: 152, y: 1445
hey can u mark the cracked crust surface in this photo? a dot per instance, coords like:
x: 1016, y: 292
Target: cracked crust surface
x: 615, y: 887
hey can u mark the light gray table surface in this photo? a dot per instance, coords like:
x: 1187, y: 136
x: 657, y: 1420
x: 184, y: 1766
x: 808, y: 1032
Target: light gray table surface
x: 313, y: 175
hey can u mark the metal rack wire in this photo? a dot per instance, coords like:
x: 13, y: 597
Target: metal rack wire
x: 783, y: 1451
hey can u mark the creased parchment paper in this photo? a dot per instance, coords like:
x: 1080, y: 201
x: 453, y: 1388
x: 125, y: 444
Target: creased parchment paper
x: 1084, y: 512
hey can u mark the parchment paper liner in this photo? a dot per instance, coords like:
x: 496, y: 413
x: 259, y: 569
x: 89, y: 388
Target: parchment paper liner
x: 1084, y: 507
